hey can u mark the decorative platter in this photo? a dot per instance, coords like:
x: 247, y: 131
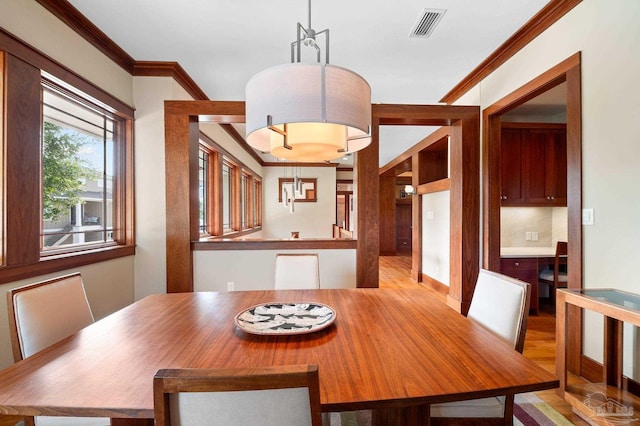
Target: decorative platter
x: 285, y: 318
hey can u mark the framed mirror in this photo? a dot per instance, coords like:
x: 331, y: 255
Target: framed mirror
x: 302, y: 191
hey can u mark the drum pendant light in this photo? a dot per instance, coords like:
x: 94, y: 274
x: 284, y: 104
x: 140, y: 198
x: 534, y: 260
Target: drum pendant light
x: 308, y: 112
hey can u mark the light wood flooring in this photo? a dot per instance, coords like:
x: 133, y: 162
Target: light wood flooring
x: 540, y: 341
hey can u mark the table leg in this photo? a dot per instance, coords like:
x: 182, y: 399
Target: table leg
x: 561, y: 342
x: 612, y: 352
x: 402, y: 416
x: 131, y: 422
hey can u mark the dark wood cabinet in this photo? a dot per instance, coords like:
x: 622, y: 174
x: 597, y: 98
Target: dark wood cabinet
x: 525, y: 269
x: 403, y: 228
x: 511, y: 167
x: 533, y: 164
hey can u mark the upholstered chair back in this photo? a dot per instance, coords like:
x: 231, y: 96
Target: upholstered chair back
x: 297, y: 271
x: 500, y: 304
x: 47, y: 312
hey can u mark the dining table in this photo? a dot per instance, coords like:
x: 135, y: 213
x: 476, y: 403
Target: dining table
x: 392, y: 351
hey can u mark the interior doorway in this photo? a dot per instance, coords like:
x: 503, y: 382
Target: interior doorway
x: 566, y: 73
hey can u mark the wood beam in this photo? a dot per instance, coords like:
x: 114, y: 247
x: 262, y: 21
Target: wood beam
x: 465, y: 212
x: 416, y: 220
x: 366, y: 183
x: 181, y: 164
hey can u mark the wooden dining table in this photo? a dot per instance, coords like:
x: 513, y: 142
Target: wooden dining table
x: 391, y: 351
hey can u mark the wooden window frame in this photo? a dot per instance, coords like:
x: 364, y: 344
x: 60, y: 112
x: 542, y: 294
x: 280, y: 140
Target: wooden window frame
x: 209, y: 174
x: 219, y: 157
x: 21, y: 72
x: 257, y: 203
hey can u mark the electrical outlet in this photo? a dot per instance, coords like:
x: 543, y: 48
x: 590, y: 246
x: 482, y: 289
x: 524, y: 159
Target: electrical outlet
x: 230, y: 286
x: 528, y: 236
x: 534, y: 236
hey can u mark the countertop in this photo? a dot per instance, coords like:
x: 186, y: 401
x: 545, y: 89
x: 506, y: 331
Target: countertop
x: 527, y: 251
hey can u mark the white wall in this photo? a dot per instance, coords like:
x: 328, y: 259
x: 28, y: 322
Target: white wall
x: 312, y: 220
x: 607, y: 34
x: 150, y: 260
x: 255, y: 269
x: 436, y: 235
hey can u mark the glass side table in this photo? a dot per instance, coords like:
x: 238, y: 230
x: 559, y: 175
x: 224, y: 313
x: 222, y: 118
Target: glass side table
x: 608, y: 402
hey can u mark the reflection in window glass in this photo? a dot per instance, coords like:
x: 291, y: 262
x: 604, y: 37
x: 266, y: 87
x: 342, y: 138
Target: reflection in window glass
x: 203, y: 161
x: 78, y: 170
x: 226, y: 196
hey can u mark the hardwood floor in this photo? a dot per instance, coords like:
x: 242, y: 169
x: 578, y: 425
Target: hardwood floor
x: 540, y: 341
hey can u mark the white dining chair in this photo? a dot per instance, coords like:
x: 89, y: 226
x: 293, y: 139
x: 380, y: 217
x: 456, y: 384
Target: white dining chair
x: 266, y: 396
x: 296, y: 271
x: 501, y: 305
x: 42, y: 314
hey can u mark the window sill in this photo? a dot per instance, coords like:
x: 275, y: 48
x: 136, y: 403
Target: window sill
x: 56, y: 263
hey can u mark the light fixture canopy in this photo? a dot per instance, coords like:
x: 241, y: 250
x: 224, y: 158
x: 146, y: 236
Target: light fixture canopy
x: 308, y: 111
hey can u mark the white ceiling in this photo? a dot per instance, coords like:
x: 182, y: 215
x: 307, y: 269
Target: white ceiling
x: 222, y: 43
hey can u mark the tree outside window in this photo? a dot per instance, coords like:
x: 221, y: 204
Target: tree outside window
x: 77, y: 173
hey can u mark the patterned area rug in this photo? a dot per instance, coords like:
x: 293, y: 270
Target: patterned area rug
x: 532, y: 411
x: 528, y: 411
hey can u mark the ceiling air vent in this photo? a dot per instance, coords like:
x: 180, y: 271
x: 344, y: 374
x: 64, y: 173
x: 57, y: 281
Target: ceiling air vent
x: 427, y: 22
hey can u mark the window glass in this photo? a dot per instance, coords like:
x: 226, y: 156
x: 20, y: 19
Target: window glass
x: 78, y: 171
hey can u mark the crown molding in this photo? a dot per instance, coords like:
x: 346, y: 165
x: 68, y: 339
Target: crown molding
x: 86, y: 29
x: 169, y: 69
x: 549, y: 15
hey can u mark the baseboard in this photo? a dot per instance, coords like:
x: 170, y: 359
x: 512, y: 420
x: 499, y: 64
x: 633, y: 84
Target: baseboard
x: 593, y: 371
x: 435, y: 284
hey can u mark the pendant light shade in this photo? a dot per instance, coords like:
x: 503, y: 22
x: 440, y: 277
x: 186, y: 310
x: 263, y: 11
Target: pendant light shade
x: 308, y: 111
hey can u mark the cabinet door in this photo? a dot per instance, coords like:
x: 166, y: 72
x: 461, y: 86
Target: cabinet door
x: 557, y: 157
x: 511, y: 190
x: 533, y: 166
x: 403, y: 228
x: 545, y: 166
x: 536, y: 166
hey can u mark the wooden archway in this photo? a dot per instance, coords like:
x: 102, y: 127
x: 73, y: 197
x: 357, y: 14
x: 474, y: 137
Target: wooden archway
x: 181, y: 152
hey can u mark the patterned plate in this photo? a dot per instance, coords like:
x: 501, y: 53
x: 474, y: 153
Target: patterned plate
x: 285, y: 318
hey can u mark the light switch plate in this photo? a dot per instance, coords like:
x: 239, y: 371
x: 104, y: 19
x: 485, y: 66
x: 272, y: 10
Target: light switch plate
x: 587, y: 217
